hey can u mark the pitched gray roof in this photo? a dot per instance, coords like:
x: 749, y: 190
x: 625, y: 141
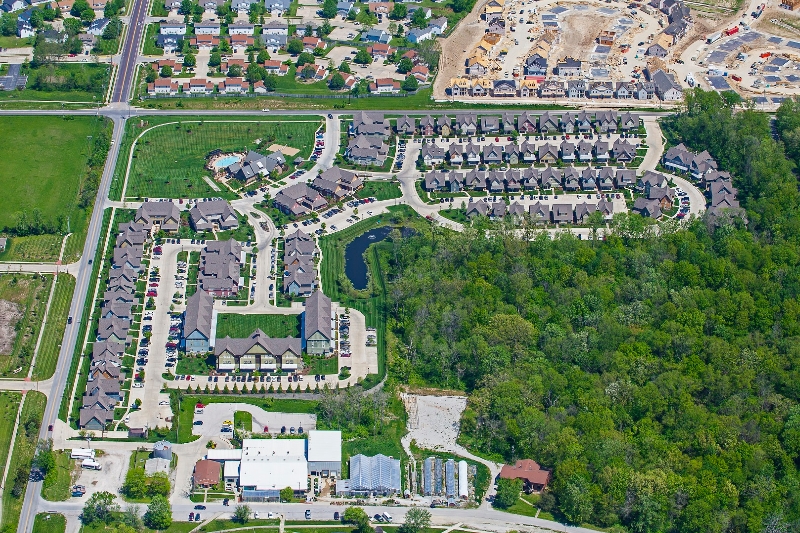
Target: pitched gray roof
x: 317, y: 316
x: 199, y: 313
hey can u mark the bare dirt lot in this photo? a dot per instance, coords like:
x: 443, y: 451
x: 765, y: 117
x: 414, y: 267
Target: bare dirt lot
x: 578, y: 33
x: 456, y: 48
x: 9, y: 316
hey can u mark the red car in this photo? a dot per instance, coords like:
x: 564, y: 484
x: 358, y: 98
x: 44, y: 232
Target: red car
x: 188, y: 377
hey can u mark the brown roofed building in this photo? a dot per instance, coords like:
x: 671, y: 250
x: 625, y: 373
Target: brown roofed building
x: 206, y: 474
x: 534, y: 477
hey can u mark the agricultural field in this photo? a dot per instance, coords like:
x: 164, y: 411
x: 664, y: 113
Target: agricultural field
x: 42, y: 195
x: 240, y: 325
x: 169, y: 160
x: 23, y: 301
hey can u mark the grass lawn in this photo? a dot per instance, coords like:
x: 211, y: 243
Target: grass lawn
x: 223, y: 525
x: 14, y: 42
x: 169, y: 161
x: 176, y: 527
x: 242, y: 420
x: 28, y: 293
x: 381, y: 190
x: 54, y: 329
x: 22, y: 454
x: 49, y: 523
x: 9, y: 406
x: 186, y: 414
x: 64, y: 169
x: 321, y: 365
x: 150, y: 48
x: 240, y: 326
x: 57, y: 484
x: 195, y: 364
x: 527, y: 509
x: 456, y: 215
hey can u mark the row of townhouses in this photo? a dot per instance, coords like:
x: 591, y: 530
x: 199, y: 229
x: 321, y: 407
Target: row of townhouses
x: 330, y: 186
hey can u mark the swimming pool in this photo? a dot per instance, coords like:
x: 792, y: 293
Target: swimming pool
x: 226, y: 161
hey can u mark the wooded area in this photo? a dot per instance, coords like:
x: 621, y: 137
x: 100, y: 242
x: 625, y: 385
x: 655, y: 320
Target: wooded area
x: 656, y: 376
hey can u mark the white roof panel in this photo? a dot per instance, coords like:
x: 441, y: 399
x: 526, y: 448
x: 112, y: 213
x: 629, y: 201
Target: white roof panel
x: 223, y: 455
x: 324, y: 445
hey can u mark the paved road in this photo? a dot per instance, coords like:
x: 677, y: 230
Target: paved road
x: 126, y: 72
x: 32, y: 494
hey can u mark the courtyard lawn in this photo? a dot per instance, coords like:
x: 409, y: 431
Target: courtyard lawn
x: 240, y: 325
x: 243, y: 420
x: 321, y: 365
x: 380, y: 190
x: 57, y: 485
x: 169, y: 160
x: 28, y: 293
x: 49, y: 523
x: 24, y: 447
x: 46, y: 162
x: 54, y: 329
x: 9, y: 406
x: 199, y: 364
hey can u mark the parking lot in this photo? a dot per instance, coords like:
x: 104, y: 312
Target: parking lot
x: 211, y: 422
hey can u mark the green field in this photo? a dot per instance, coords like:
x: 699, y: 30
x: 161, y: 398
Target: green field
x: 381, y: 190
x: 46, y: 164
x: 100, y: 527
x: 9, y: 406
x: 169, y: 161
x: 24, y: 448
x: 28, y: 293
x: 240, y: 326
x: 321, y: 365
x: 49, y: 523
x: 88, y: 85
x: 58, y: 482
x: 54, y: 329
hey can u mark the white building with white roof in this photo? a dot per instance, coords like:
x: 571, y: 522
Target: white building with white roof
x: 324, y: 453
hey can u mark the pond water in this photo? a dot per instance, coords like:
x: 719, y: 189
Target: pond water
x: 354, y: 266
x: 226, y: 161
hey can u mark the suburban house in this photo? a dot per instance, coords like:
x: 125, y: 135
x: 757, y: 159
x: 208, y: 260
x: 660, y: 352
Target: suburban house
x: 205, y: 215
x: 258, y: 352
x: 199, y: 323
x: 316, y: 325
x: 220, y: 268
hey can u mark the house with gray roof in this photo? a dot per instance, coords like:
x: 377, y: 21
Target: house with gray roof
x: 539, y: 212
x: 199, y: 323
x: 155, y: 216
x: 204, y: 216
x: 316, y: 325
x: 220, y: 268
x: 258, y: 352
x: 299, y: 199
x: 562, y: 213
x: 647, y: 208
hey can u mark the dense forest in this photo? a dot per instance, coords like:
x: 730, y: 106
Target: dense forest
x: 658, y: 377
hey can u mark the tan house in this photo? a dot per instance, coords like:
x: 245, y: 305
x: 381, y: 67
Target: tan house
x: 258, y: 352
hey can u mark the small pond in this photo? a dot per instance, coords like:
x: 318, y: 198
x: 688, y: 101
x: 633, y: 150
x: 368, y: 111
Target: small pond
x: 354, y: 266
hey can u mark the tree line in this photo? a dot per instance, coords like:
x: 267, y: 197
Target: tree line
x: 654, y: 375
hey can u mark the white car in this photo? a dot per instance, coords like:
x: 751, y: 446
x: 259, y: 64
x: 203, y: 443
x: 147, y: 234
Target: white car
x: 126, y: 419
x: 138, y: 385
x: 163, y: 402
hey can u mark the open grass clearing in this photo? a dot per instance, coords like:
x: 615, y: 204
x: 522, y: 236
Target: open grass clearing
x: 22, y: 453
x: 100, y: 527
x: 29, y: 182
x: 54, y: 329
x: 23, y: 302
x: 224, y: 525
x: 380, y: 190
x: 49, y: 523
x: 9, y: 406
x: 58, y: 482
x: 240, y: 326
x: 243, y: 420
x: 169, y: 160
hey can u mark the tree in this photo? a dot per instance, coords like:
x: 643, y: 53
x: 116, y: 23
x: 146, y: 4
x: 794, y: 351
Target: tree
x: 166, y: 71
x: 159, y: 484
x: 255, y: 73
x: 131, y: 518
x: 507, y: 492
x: 417, y: 521
x: 308, y: 71
x: 359, y: 518
x: 150, y: 75
x: 336, y: 82
x: 345, y: 67
x: 235, y: 71
x: 99, y: 508
x: 319, y: 52
x: 78, y: 7
x: 44, y: 460
x: 405, y: 65
x: 87, y: 15
x: 294, y: 47
x: 410, y: 84
x: 113, y: 29
x: 325, y: 29
x: 287, y: 494
x: 362, y: 57
x: 262, y: 57
x: 329, y: 9
x: 158, y: 514
x: 418, y: 19
x: 189, y: 60
x: 399, y: 11
x: 241, y: 513
x: 135, y: 485
x: 215, y: 59
x: 304, y: 58
x: 224, y: 46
